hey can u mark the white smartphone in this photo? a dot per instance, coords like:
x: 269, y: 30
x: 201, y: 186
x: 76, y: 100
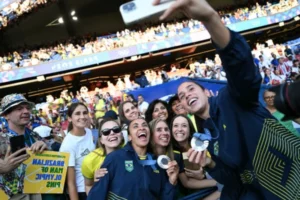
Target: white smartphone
x: 139, y: 10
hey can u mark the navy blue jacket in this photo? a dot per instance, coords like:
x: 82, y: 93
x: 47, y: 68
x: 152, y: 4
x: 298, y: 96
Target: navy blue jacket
x: 128, y: 179
x: 256, y: 157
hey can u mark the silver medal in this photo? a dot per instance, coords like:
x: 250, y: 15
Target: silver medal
x: 199, y: 145
x: 163, y: 161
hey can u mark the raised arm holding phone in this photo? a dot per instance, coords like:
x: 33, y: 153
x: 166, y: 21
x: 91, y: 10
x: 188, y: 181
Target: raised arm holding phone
x: 245, y: 141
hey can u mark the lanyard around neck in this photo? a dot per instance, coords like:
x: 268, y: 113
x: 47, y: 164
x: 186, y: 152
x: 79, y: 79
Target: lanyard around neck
x: 207, y: 135
x: 148, y: 162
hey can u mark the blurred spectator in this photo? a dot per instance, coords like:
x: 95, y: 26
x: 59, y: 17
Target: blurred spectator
x: 142, y: 104
x: 288, y: 51
x: 296, y: 66
x: 269, y: 99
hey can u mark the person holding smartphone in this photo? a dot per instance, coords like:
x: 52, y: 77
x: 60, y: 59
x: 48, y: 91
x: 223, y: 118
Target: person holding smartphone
x: 13, y: 144
x: 252, y: 154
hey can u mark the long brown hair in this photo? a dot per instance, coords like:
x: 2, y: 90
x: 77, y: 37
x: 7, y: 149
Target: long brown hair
x: 71, y: 109
x: 191, y: 128
x: 122, y: 117
x: 153, y: 125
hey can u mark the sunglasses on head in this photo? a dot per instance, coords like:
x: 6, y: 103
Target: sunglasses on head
x: 107, y: 131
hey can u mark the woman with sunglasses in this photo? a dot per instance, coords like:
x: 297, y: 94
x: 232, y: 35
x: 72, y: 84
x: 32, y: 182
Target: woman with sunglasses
x: 127, y: 112
x: 78, y: 143
x: 133, y: 174
x: 110, y: 139
x: 160, y: 142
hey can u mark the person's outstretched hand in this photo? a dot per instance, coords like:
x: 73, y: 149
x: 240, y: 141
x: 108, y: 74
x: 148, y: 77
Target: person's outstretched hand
x: 195, y: 9
x: 202, y: 11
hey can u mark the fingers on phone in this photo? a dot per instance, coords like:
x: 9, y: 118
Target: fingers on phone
x: 156, y: 2
x: 18, y: 152
x: 18, y: 160
x: 171, y: 10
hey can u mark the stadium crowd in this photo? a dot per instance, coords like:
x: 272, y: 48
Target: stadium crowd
x: 90, y: 44
x: 253, y: 12
x: 13, y: 12
x: 108, y: 113
x: 114, y: 140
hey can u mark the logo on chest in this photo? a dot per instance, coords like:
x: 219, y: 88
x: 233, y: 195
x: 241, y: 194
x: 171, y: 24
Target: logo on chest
x: 129, y: 165
x: 216, y: 148
x: 85, y: 152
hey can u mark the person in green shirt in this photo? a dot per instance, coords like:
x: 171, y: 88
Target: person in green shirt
x: 269, y: 99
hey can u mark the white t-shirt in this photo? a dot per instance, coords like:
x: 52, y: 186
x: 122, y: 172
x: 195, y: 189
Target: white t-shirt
x: 264, y: 63
x: 78, y: 147
x: 143, y: 106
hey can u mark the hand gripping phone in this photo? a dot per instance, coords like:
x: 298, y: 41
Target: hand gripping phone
x: 139, y: 10
x: 17, y: 143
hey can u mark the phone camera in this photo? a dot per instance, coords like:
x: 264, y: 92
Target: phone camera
x: 129, y: 7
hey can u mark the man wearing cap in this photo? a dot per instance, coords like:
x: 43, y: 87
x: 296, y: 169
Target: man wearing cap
x: 16, y: 110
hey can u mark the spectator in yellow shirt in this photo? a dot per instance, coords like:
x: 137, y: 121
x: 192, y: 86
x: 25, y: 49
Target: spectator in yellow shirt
x: 110, y: 139
x: 99, y: 107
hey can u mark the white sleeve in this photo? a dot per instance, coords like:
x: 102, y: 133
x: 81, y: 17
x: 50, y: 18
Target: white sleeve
x: 146, y: 106
x: 72, y: 153
x: 72, y: 158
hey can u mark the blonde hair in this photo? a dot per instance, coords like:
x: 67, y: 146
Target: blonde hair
x: 169, y: 149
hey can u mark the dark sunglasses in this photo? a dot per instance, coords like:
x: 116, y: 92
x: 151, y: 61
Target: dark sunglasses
x: 107, y: 131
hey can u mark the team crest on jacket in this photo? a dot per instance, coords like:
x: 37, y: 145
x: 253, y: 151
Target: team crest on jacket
x: 216, y: 148
x: 129, y: 165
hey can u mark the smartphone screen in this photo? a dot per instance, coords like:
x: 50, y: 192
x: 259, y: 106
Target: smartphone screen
x: 17, y: 143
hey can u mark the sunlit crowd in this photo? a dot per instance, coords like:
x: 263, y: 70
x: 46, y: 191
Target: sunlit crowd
x: 90, y: 44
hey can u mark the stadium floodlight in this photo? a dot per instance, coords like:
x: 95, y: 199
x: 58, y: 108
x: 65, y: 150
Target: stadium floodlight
x: 281, y: 24
x: 75, y: 18
x: 61, y: 20
x: 73, y: 13
x: 297, y: 18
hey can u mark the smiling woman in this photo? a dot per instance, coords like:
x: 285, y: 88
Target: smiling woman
x: 110, y: 139
x: 127, y: 112
x: 158, y: 109
x: 132, y: 173
x: 161, y: 145
x: 79, y: 143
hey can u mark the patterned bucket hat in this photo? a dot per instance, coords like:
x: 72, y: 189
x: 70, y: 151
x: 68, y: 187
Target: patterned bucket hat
x: 12, y: 100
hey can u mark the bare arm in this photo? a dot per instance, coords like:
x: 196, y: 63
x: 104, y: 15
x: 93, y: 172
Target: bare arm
x: 201, y: 10
x: 192, y: 183
x: 71, y: 179
x: 88, y: 185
